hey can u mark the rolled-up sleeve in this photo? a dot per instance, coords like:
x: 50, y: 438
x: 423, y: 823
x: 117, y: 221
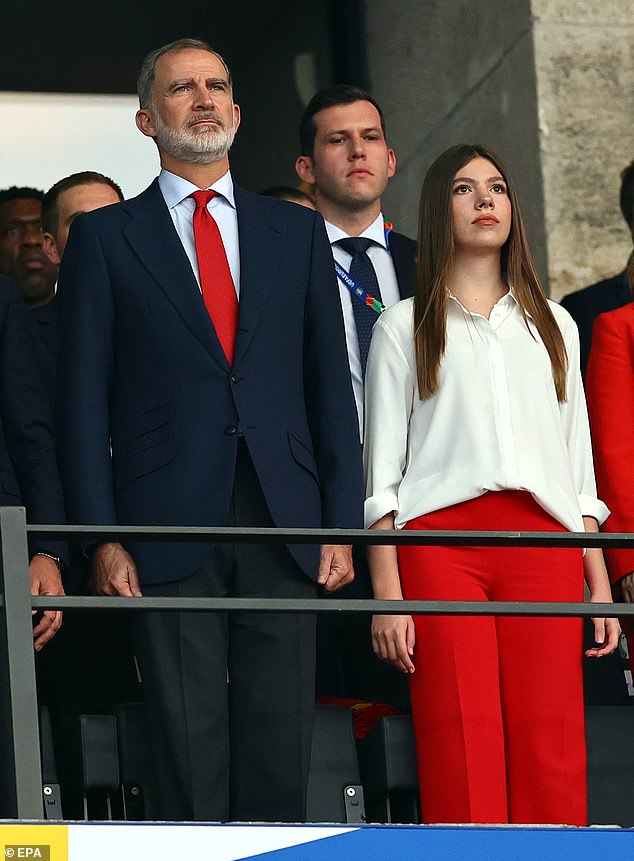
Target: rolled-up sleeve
x: 389, y: 390
x: 576, y: 427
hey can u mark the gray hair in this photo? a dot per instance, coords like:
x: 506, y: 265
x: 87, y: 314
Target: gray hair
x: 145, y: 80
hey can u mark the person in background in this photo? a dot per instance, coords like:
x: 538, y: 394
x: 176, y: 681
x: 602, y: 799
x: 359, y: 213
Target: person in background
x: 585, y: 305
x: 610, y: 393
x: 476, y: 420
x: 79, y: 192
x: 347, y: 162
x: 22, y: 255
x: 69, y: 197
x: 90, y: 666
x: 28, y: 468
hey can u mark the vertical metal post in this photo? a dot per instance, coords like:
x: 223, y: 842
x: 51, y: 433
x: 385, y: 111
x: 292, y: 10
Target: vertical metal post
x: 21, y: 780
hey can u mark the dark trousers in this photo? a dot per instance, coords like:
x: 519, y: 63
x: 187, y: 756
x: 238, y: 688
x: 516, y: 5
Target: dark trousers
x: 231, y: 696
x: 346, y: 664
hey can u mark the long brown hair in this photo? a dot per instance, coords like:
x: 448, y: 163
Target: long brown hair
x: 436, y: 250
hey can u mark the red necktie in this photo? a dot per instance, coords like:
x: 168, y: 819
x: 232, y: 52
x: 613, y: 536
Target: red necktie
x: 216, y: 283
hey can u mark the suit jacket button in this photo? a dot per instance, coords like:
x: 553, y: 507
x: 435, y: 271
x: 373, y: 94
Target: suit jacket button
x: 235, y: 378
x: 230, y: 430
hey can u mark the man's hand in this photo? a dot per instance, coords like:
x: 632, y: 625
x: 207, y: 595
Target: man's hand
x: 45, y: 580
x: 114, y: 572
x: 335, y: 566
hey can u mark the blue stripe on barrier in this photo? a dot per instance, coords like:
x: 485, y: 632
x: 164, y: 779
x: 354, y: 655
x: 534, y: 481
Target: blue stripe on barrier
x: 437, y: 843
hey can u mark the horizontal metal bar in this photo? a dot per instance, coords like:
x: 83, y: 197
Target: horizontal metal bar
x: 258, y: 535
x: 334, y: 605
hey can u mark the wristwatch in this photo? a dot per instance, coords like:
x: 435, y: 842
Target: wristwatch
x: 56, y: 560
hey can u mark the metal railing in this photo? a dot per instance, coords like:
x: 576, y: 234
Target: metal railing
x: 19, y: 733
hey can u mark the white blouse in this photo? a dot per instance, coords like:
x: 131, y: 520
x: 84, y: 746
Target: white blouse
x: 493, y: 424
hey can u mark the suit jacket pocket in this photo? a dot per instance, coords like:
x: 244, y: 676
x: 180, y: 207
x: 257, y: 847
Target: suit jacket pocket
x: 153, y: 427
x: 302, y: 453
x: 144, y: 462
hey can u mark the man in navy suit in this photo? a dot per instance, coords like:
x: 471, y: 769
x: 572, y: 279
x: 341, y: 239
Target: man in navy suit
x: 347, y: 162
x: 158, y: 426
x: 608, y: 295
x: 28, y: 469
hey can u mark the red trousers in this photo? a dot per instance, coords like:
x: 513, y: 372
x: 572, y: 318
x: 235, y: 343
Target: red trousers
x: 497, y: 703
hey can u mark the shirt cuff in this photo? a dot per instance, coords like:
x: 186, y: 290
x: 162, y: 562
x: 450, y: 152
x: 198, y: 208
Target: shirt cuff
x: 592, y: 507
x: 378, y: 506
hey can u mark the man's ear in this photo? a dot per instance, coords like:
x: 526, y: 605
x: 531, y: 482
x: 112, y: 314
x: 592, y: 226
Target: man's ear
x: 50, y: 247
x: 304, y: 169
x: 391, y: 163
x: 145, y: 123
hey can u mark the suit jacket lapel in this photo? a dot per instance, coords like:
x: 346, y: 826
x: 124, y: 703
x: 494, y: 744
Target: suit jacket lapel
x: 152, y: 235
x: 261, y: 242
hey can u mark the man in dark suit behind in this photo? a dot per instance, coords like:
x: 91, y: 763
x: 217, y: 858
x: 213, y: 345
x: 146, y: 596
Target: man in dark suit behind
x: 90, y: 666
x: 347, y: 163
x: 170, y: 413
x: 22, y: 255
x: 28, y: 470
x: 608, y: 295
x: 62, y: 203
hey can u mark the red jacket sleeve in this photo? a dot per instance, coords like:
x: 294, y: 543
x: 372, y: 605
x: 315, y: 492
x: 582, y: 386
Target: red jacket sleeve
x: 610, y: 395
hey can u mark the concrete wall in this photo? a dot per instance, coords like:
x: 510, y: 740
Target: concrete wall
x: 452, y: 72
x: 584, y: 53
x: 548, y: 84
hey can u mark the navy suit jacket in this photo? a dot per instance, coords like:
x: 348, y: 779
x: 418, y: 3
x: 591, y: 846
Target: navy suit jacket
x: 585, y: 305
x: 43, y: 325
x: 149, y: 409
x: 403, y: 251
x: 28, y: 468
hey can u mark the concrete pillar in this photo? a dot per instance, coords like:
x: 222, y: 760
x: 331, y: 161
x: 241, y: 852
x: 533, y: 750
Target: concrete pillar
x: 584, y: 59
x: 548, y: 84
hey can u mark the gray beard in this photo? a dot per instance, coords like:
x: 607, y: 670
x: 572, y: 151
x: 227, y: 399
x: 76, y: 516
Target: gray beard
x: 205, y: 147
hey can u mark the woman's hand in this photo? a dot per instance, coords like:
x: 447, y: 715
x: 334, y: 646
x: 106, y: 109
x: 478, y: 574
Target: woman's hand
x: 392, y: 636
x: 606, y: 634
x: 393, y: 639
x: 606, y: 631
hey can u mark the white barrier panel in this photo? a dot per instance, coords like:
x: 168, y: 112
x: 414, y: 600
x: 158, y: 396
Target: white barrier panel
x: 176, y: 842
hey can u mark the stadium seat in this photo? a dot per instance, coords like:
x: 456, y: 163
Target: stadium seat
x: 610, y: 740
x: 387, y: 758
x: 334, y: 790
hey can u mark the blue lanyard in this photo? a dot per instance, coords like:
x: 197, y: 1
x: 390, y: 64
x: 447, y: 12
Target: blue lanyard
x: 356, y: 290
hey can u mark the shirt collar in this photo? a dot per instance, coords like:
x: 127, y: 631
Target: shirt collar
x: 509, y: 299
x: 374, y: 231
x: 175, y: 189
x: 512, y: 298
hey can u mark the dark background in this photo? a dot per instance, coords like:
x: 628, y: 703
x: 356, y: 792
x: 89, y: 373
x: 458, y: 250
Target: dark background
x: 82, y: 47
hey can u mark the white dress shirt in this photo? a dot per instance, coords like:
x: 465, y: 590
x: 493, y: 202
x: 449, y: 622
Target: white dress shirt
x: 381, y: 259
x: 494, y: 423
x: 176, y: 191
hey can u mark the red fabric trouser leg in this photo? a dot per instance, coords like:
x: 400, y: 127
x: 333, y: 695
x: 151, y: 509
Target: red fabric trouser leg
x: 497, y: 703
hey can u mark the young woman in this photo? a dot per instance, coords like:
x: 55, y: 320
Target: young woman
x: 476, y: 419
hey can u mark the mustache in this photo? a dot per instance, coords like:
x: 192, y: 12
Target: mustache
x: 208, y: 117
